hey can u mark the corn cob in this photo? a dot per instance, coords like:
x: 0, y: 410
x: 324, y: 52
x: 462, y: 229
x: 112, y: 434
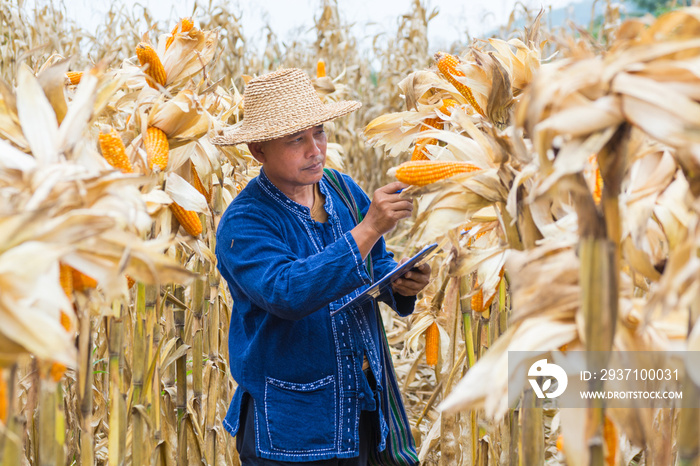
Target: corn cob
x: 423, y: 172
x: 65, y: 321
x: 185, y: 25
x: 57, y: 371
x: 610, y: 436
x: 418, y: 153
x: 478, y: 301
x: 82, y: 282
x: 188, y: 219
x: 447, y: 105
x: 157, y: 148
x: 560, y: 443
x: 320, y: 69
x: 428, y: 123
x: 447, y: 64
x: 478, y: 304
x: 3, y: 399
x: 154, y: 70
x: 114, y: 152
x: 432, y: 344
x: 74, y: 76
x: 66, y: 279
x: 197, y: 183
x: 598, y: 190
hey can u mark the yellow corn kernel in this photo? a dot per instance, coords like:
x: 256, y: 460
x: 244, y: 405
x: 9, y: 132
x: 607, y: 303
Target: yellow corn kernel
x: 114, y: 152
x: 129, y: 281
x: 157, y: 148
x: 74, y: 77
x: 447, y: 64
x: 154, y: 69
x: 432, y: 344
x: 320, y: 69
x: 197, y: 183
x: 188, y: 219
x: 560, y: 443
x: 183, y: 26
x: 423, y: 172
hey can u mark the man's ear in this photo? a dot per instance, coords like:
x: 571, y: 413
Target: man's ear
x: 256, y: 149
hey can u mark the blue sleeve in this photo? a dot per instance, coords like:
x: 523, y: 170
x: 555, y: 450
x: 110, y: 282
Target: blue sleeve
x: 382, y: 260
x: 252, y: 252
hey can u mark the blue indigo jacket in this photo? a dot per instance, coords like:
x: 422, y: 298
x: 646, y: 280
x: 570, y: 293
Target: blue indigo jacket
x: 301, y: 366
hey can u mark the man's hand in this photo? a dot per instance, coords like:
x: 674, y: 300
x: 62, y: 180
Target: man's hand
x: 387, y: 208
x: 385, y: 211
x: 413, y: 281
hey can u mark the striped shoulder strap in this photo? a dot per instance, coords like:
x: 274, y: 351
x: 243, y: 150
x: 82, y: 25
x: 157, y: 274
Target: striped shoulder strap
x: 343, y: 190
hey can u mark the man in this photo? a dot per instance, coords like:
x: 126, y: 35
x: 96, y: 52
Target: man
x: 309, y: 382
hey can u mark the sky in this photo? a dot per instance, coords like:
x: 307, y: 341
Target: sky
x: 289, y: 18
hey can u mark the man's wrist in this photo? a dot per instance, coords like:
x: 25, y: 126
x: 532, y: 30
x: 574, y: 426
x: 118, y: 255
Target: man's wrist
x: 365, y: 236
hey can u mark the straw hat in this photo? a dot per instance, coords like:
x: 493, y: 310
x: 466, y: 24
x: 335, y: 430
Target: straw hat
x: 281, y: 103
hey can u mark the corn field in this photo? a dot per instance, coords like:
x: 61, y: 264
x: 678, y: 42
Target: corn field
x: 556, y: 168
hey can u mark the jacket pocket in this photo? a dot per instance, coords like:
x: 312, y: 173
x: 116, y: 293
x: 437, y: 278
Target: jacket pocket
x: 301, y: 417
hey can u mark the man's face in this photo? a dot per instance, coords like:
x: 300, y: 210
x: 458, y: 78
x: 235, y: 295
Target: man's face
x: 293, y: 161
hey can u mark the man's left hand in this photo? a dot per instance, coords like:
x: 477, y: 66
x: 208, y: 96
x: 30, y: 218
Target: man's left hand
x: 413, y: 281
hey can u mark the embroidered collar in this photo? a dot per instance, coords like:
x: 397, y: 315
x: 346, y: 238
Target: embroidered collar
x: 301, y: 210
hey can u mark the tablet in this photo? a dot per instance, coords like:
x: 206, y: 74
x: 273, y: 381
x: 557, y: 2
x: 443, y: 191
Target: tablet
x: 398, y: 272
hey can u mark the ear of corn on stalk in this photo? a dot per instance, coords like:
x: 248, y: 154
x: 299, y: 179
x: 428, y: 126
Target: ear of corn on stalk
x: 478, y: 301
x: 114, y: 152
x: 82, y: 282
x: 57, y: 371
x: 598, y: 189
x: 598, y: 183
x: 610, y: 436
x: 188, y: 219
x: 66, y: 279
x: 560, y: 443
x: 197, y: 183
x: 185, y: 25
x: 74, y: 77
x: 65, y: 321
x: 154, y: 67
x: 418, y: 152
x: 3, y: 398
x: 428, y: 123
x: 478, y: 304
x: 423, y: 172
x: 157, y: 148
x: 432, y: 344
x: 447, y: 64
x: 320, y: 69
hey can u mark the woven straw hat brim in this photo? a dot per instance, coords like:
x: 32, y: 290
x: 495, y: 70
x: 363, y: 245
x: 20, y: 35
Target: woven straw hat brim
x: 246, y: 133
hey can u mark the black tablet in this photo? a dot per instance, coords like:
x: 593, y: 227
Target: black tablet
x: 398, y: 272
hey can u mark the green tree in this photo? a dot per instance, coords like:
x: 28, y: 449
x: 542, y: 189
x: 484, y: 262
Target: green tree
x: 658, y: 5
